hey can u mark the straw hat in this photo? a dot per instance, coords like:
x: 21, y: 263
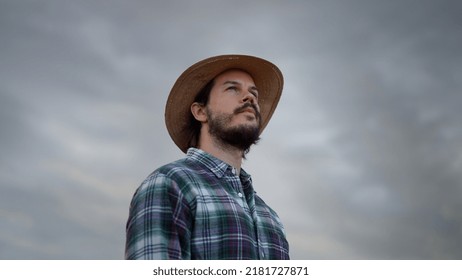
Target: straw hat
x: 267, y: 77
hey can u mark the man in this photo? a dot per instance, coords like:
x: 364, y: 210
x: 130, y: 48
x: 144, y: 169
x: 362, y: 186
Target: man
x: 204, y: 206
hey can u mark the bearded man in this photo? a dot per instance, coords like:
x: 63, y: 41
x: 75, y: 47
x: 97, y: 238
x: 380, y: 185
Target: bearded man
x: 204, y: 206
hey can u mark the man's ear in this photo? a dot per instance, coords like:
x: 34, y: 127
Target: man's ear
x: 198, y: 111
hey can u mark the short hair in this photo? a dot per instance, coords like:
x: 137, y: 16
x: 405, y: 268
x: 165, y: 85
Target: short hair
x: 202, y: 98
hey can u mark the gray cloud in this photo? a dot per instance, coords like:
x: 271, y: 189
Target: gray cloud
x: 361, y: 160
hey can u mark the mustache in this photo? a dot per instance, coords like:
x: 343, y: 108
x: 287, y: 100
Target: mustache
x: 245, y: 106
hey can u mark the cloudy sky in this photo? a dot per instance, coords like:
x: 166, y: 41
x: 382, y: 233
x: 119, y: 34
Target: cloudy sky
x: 362, y: 159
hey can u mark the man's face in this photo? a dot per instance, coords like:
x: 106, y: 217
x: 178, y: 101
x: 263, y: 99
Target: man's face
x: 233, y: 114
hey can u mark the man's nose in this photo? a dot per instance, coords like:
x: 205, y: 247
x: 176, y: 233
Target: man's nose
x: 250, y: 97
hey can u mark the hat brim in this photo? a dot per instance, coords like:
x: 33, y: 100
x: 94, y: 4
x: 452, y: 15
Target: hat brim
x: 267, y: 77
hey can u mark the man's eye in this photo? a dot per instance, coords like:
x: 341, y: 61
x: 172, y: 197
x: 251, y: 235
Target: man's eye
x: 232, y: 88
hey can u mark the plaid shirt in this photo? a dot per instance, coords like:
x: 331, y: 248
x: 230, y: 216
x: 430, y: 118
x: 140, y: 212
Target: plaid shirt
x: 197, y: 208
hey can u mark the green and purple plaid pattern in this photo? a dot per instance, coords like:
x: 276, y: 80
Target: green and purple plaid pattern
x: 196, y: 208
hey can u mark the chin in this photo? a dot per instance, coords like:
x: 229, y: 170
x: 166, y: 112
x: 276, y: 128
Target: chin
x: 246, y: 124
x: 246, y: 120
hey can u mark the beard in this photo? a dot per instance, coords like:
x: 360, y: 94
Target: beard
x: 240, y: 136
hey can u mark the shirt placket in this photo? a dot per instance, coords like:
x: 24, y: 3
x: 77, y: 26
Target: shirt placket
x: 250, y: 195
x: 247, y: 201
x: 237, y: 187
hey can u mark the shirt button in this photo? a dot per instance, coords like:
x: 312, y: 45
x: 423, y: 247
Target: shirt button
x: 239, y: 194
x: 233, y: 171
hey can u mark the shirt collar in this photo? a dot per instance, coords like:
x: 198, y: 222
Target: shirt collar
x: 217, y: 166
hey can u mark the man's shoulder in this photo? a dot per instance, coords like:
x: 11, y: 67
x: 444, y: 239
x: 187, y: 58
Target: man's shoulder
x: 180, y: 172
x: 176, y: 168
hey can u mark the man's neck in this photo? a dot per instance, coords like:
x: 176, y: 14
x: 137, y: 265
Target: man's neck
x: 227, y: 153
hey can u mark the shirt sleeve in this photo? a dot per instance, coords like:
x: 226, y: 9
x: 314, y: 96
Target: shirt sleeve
x: 159, y: 222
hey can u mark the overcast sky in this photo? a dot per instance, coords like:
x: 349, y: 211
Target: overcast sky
x: 362, y: 158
